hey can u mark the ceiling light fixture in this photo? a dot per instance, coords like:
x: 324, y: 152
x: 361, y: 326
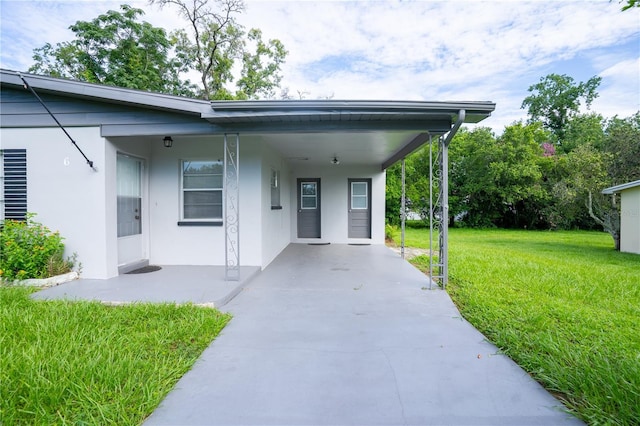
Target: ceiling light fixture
x: 335, y: 160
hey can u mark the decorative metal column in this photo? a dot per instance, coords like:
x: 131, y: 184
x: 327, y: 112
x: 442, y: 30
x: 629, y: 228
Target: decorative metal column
x: 439, y: 210
x: 436, y: 269
x: 231, y: 207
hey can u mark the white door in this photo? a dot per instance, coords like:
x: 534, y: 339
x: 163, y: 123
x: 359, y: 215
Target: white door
x: 129, y: 192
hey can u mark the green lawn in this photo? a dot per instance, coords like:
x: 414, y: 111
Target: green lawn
x: 86, y: 363
x: 563, y: 305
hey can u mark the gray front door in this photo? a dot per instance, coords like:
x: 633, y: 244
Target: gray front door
x: 309, y: 208
x: 359, y: 208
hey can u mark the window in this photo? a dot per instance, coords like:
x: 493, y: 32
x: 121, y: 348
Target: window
x: 275, y: 189
x: 13, y: 177
x: 201, y: 191
x: 359, y: 195
x: 309, y: 195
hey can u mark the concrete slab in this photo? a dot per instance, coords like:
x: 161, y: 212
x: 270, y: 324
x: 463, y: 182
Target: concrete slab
x: 347, y: 335
x: 179, y: 284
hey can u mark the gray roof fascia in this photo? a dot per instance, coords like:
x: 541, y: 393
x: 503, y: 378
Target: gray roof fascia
x: 622, y: 187
x: 440, y: 126
x: 111, y: 94
x: 233, y: 110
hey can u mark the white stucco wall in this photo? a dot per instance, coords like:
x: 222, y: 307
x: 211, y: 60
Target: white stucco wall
x: 630, y: 220
x: 170, y: 244
x: 334, y: 201
x: 276, y: 223
x: 65, y: 193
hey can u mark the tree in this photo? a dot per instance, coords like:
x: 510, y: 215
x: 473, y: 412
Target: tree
x: 215, y: 41
x: 622, y: 143
x: 586, y: 179
x: 498, y: 181
x: 581, y: 129
x: 556, y: 99
x: 115, y: 49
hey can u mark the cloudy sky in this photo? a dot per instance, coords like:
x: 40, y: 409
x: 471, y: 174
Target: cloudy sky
x: 413, y: 50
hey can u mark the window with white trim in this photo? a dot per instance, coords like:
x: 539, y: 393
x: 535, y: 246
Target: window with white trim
x: 201, y: 183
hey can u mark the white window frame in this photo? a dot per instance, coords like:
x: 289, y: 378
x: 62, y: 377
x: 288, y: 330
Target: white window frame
x: 365, y: 196
x: 303, y: 196
x: 212, y: 189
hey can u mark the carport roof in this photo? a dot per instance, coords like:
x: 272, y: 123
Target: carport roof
x: 379, y: 132
x: 344, y: 110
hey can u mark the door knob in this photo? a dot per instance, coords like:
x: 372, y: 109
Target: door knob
x: 137, y: 217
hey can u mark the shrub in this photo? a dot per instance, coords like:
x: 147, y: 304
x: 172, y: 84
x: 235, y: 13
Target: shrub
x: 30, y: 250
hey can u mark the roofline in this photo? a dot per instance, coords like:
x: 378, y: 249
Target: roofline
x: 475, y: 111
x: 622, y: 187
x: 106, y: 93
x: 228, y: 114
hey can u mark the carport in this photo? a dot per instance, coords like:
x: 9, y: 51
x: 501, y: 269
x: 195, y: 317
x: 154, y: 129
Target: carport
x: 379, y: 132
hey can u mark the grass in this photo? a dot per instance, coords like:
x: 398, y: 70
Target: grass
x: 563, y: 305
x: 87, y: 363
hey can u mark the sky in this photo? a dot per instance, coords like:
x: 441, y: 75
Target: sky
x: 462, y: 50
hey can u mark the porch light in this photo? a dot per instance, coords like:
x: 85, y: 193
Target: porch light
x: 167, y: 141
x: 335, y: 160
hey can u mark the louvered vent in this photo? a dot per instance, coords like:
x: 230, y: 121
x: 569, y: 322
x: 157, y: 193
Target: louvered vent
x: 14, y: 183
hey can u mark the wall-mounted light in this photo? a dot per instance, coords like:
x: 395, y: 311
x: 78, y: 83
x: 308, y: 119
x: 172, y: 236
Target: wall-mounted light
x: 335, y: 160
x: 167, y: 141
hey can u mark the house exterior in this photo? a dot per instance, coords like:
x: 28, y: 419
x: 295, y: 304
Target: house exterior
x: 240, y: 181
x: 629, y: 215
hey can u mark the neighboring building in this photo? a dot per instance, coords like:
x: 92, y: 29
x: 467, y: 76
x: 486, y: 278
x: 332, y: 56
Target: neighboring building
x: 629, y: 215
x: 283, y: 171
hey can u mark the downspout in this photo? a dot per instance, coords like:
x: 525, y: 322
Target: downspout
x: 444, y: 250
x: 403, y: 210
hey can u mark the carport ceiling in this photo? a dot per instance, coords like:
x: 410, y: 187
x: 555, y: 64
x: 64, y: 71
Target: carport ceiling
x: 351, y: 148
x: 356, y: 132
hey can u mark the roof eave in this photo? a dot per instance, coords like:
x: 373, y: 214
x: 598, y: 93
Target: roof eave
x: 106, y: 93
x: 622, y: 187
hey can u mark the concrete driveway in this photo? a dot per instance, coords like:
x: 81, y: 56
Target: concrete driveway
x: 347, y: 335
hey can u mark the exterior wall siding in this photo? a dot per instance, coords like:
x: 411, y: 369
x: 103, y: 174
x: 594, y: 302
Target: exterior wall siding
x: 21, y: 109
x: 276, y: 228
x: 630, y: 220
x: 65, y: 193
x: 170, y: 244
x: 334, y: 201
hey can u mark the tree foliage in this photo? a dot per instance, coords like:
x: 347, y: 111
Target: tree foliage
x: 524, y: 179
x: 629, y: 4
x: 555, y: 99
x: 115, y: 49
x: 214, y: 41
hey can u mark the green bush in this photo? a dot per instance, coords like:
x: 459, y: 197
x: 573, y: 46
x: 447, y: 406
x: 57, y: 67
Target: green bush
x: 30, y: 250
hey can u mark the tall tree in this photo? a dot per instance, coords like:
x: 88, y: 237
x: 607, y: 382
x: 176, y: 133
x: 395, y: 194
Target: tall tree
x: 115, y: 49
x: 498, y: 181
x: 556, y: 99
x: 214, y: 42
x: 622, y: 142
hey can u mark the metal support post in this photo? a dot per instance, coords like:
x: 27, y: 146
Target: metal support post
x: 444, y: 227
x: 403, y: 211
x: 231, y: 207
